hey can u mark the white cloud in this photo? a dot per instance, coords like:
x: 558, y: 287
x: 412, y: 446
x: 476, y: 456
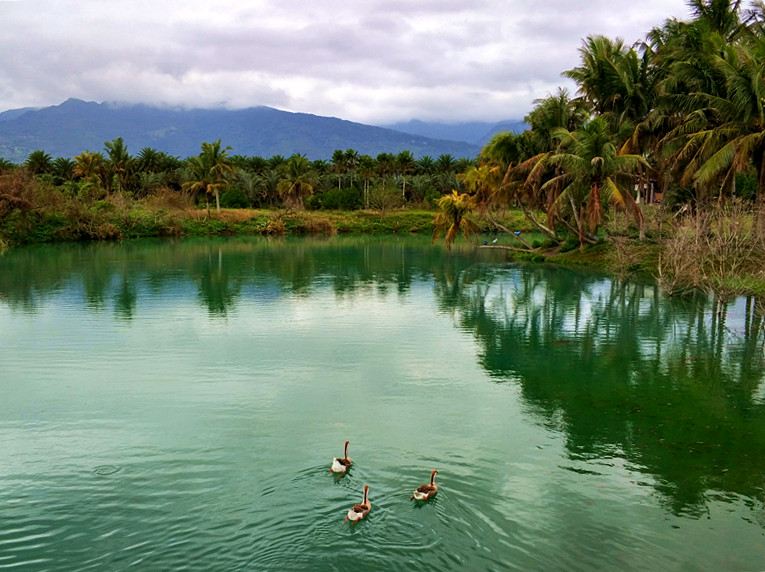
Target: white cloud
x: 374, y: 61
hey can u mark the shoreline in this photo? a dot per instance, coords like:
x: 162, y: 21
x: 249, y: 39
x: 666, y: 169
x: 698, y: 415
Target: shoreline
x: 617, y: 255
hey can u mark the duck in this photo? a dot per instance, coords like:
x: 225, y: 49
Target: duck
x: 425, y: 492
x: 340, y: 465
x: 359, y: 511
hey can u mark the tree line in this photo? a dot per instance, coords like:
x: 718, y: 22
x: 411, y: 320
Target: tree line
x: 349, y: 180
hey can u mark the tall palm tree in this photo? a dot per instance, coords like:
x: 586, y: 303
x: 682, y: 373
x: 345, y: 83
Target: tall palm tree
x: 367, y: 170
x: 339, y: 166
x: 385, y: 164
x: 405, y: 165
x: 218, y: 166
x: 351, y: 162
x: 615, y: 80
x: 298, y: 181
x: 208, y: 171
x: 268, y: 185
x: 591, y: 172
x: 723, y: 128
x: 119, y: 162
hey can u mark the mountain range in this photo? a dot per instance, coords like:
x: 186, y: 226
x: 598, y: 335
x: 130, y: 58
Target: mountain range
x: 75, y: 126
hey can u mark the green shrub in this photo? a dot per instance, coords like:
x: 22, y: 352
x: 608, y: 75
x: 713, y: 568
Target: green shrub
x: 746, y: 186
x: 347, y: 199
x: 234, y: 198
x: 431, y: 197
x: 569, y: 244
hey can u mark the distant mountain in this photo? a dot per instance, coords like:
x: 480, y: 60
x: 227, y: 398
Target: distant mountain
x: 75, y: 126
x: 14, y: 113
x: 475, y: 132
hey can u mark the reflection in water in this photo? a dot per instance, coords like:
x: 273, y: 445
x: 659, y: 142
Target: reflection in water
x: 220, y: 269
x: 667, y: 385
x: 596, y: 383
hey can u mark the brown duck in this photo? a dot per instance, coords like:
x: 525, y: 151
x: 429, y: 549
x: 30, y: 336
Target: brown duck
x: 341, y: 464
x: 425, y: 492
x: 359, y: 511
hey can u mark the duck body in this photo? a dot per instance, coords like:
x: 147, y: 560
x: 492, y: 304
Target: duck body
x: 428, y: 491
x: 359, y: 511
x: 341, y: 464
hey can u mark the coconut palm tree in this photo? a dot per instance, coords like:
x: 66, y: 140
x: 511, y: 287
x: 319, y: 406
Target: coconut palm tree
x: 592, y: 170
x: 90, y: 166
x: 298, y: 181
x: 351, y: 162
x: 367, y: 170
x: 208, y: 171
x: 405, y: 165
x: 722, y: 131
x: 339, y: 166
x: 385, y: 164
x: 453, y: 219
x: 616, y: 81
x: 268, y: 185
x: 119, y: 163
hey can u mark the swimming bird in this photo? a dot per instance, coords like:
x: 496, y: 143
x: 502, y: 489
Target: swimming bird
x: 425, y: 492
x: 340, y: 465
x: 359, y: 511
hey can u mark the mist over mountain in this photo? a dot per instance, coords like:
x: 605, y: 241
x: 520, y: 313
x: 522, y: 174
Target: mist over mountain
x: 75, y: 126
x: 473, y: 132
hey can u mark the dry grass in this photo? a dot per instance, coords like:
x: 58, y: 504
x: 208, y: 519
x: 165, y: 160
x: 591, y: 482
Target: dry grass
x: 720, y: 251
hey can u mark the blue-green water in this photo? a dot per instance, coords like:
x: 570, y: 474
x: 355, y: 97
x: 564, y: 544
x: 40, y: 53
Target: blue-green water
x: 177, y: 404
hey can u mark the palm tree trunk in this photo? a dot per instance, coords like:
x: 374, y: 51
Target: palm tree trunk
x: 217, y: 201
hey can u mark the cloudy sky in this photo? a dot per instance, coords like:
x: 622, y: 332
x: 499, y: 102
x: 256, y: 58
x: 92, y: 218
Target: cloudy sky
x: 373, y: 61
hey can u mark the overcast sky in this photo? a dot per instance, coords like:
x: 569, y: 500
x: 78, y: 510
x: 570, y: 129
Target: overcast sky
x: 376, y: 61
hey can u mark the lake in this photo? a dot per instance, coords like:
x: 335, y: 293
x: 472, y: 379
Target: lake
x: 176, y: 404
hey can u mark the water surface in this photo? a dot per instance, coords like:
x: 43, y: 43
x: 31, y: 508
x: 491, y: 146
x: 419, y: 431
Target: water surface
x: 177, y: 404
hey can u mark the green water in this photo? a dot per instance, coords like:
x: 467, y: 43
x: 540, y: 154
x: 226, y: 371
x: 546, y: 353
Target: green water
x: 176, y: 405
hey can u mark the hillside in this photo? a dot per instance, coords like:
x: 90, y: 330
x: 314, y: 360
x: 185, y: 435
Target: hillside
x: 474, y: 132
x: 74, y: 126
